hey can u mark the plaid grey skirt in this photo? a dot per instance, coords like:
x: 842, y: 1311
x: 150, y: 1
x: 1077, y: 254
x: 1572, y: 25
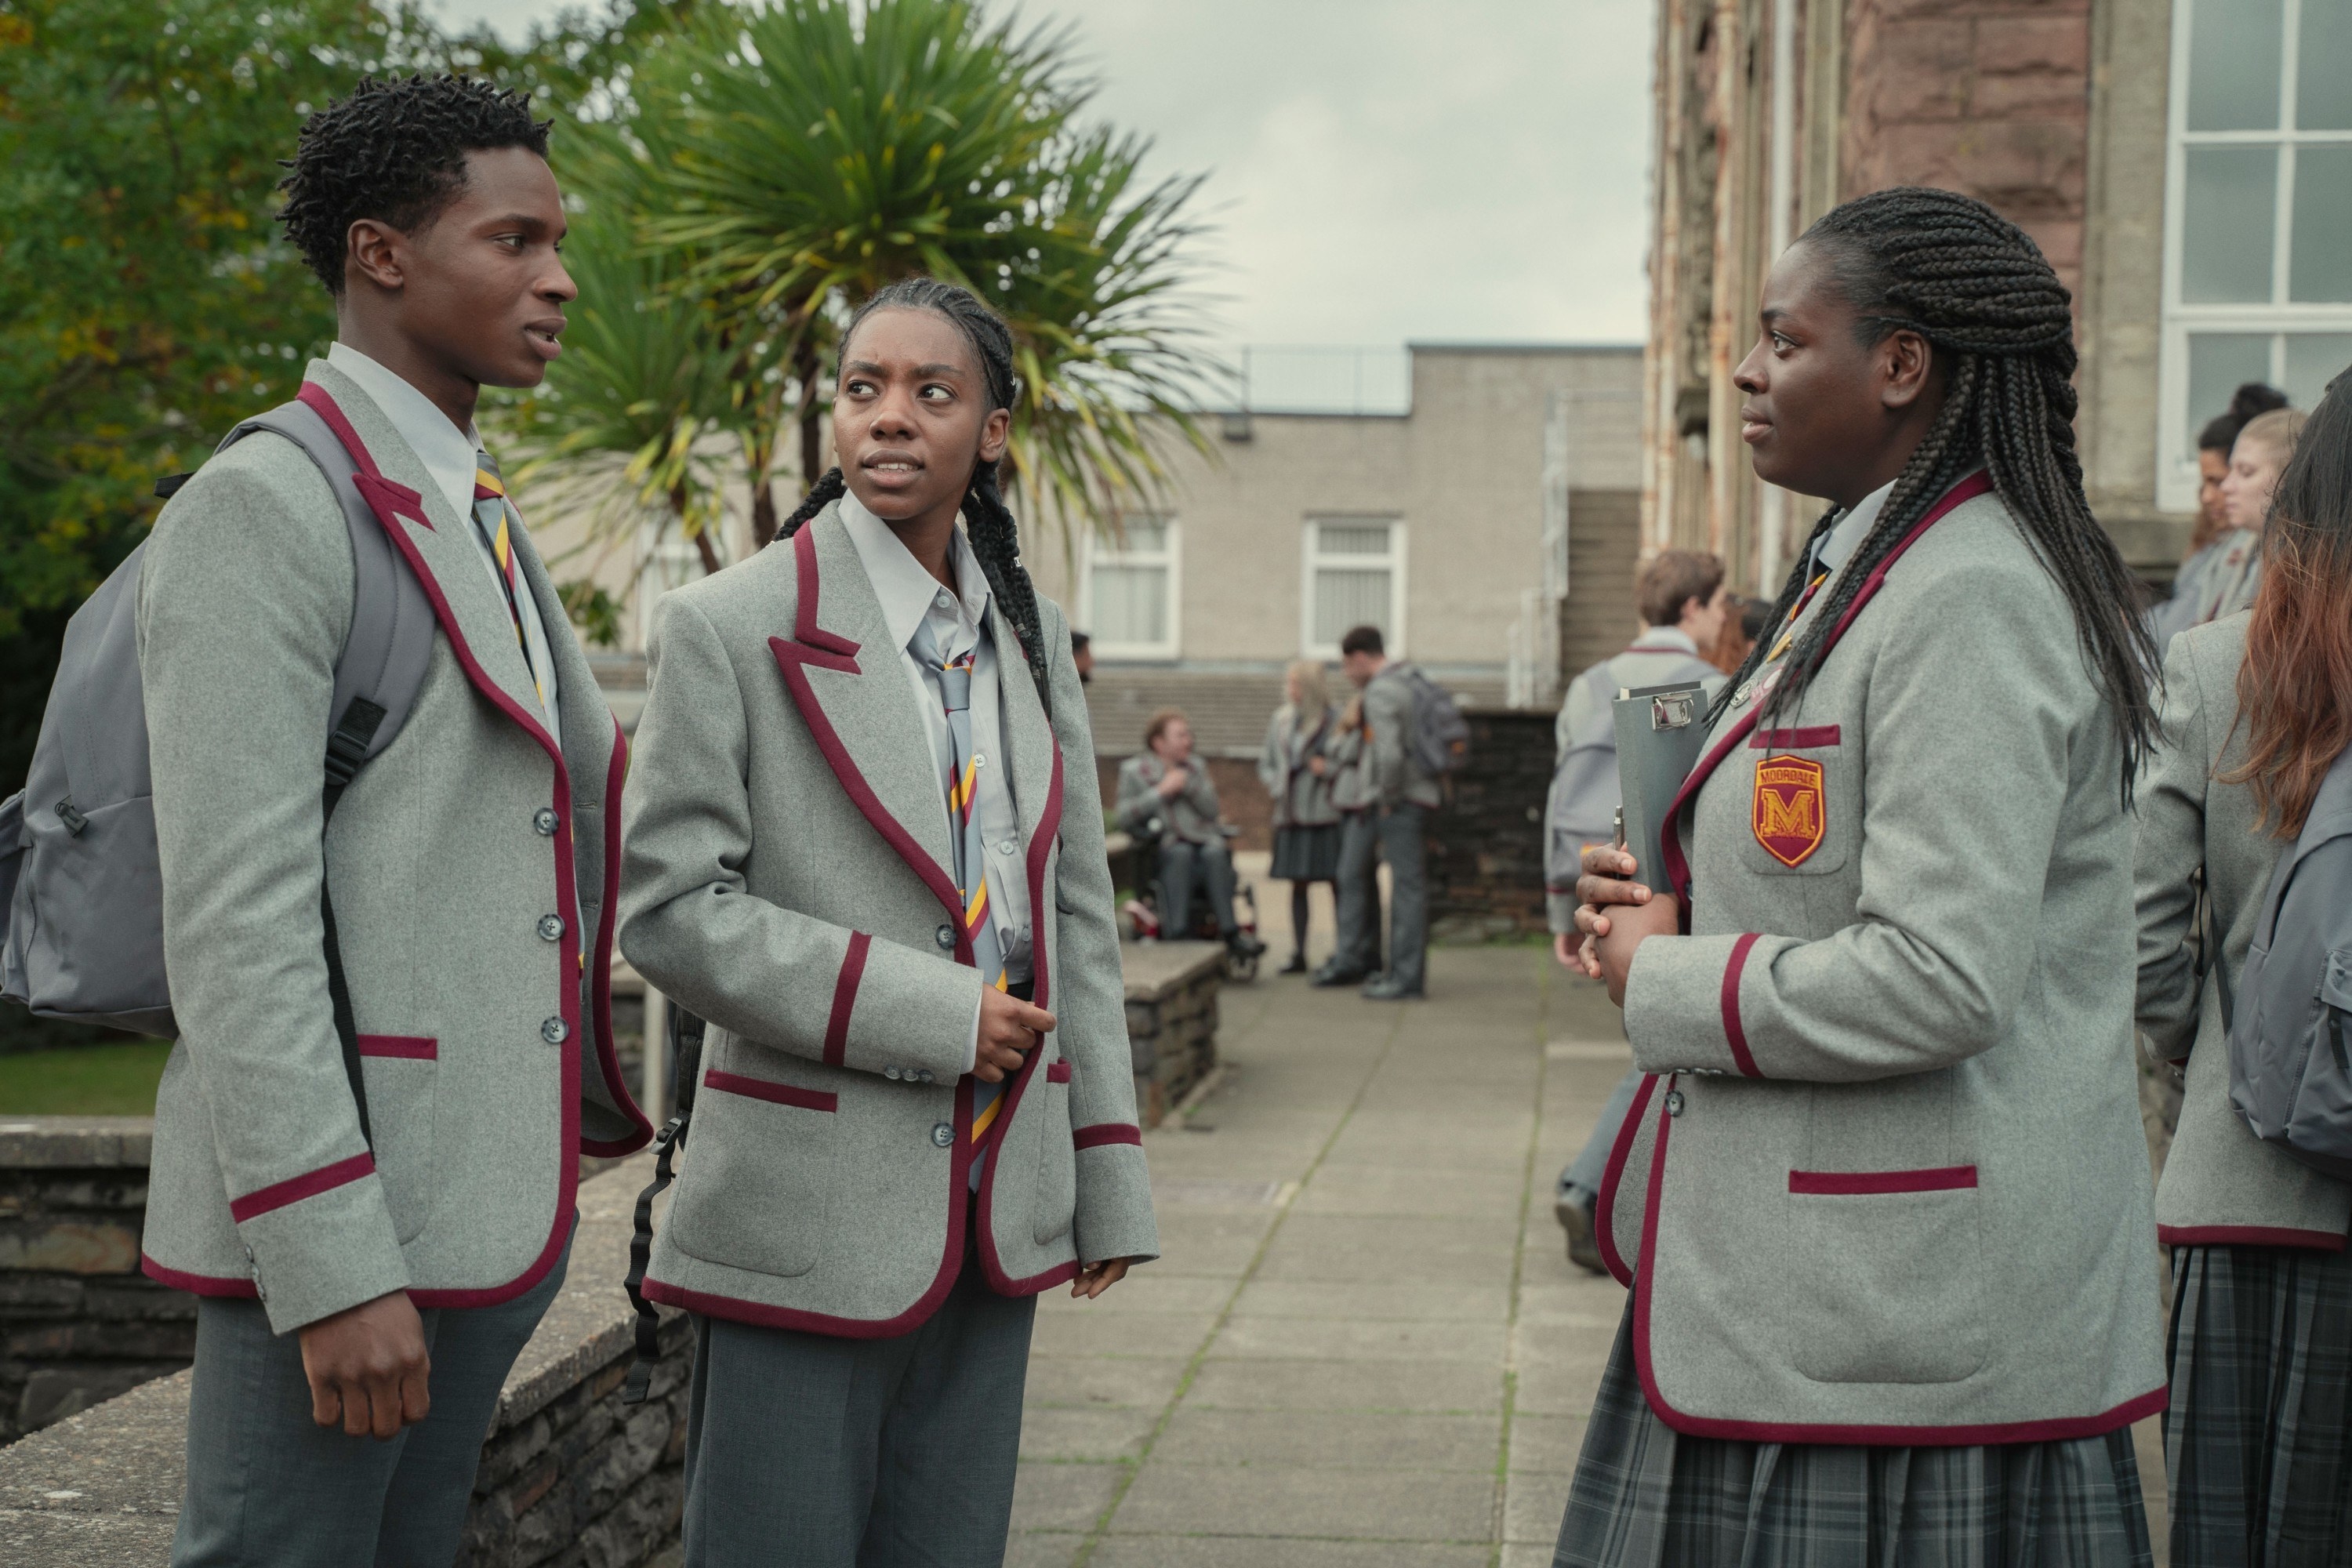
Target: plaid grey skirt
x: 1305, y: 854
x: 1645, y: 1497
x: 2259, y: 1438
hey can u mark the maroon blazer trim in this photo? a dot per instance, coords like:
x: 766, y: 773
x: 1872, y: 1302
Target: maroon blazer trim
x: 772, y: 1092
x: 1670, y: 846
x: 1041, y: 846
x: 294, y: 1189
x: 2051, y: 1431
x: 2248, y: 1236
x: 845, y: 998
x: 736, y: 1310
x: 213, y: 1285
x: 409, y: 1047
x: 600, y: 988
x: 1734, y: 1032
x: 381, y: 496
x: 1058, y: 1072
x: 1862, y: 1184
x: 1808, y: 736
x: 1613, y: 1174
x: 1103, y: 1132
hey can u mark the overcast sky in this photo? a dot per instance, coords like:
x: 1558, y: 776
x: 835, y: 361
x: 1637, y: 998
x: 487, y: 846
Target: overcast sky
x: 1381, y: 171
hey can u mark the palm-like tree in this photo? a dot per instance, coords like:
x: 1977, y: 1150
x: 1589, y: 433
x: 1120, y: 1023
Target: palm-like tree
x: 798, y: 157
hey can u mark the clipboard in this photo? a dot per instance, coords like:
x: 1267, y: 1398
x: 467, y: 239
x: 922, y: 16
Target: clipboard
x: 1661, y: 732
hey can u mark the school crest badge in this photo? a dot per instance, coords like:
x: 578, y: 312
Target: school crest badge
x: 1792, y: 808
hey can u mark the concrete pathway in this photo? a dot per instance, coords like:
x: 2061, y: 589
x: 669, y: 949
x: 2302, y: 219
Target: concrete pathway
x: 1365, y: 1344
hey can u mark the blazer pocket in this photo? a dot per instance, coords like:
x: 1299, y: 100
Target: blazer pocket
x: 1802, y: 802
x: 399, y: 1071
x: 757, y: 1191
x: 1054, y: 1206
x: 1885, y: 1275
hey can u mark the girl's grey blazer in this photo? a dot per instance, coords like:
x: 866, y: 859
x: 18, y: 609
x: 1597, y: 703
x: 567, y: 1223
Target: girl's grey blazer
x: 1888, y: 1183
x: 2223, y: 1186
x: 787, y: 874
x: 472, y: 863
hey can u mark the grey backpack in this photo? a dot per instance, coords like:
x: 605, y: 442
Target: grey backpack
x: 81, y: 926
x: 2290, y: 1065
x: 1585, y: 790
x: 1441, y: 736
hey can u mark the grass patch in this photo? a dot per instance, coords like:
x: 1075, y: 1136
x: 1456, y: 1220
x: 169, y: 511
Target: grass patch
x: 92, y: 1080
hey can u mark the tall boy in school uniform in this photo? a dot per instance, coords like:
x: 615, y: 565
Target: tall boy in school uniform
x: 363, y: 1294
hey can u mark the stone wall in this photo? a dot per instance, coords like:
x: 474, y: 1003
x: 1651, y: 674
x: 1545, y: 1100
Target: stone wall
x: 1486, y: 844
x: 1171, y: 1020
x: 78, y: 1322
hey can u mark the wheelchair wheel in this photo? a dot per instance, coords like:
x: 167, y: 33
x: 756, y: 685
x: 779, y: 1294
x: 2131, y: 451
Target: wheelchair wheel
x: 1241, y: 968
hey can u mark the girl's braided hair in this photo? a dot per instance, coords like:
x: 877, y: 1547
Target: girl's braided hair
x: 988, y: 522
x: 1979, y: 292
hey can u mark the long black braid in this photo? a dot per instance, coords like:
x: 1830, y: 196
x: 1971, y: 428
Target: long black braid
x: 1979, y: 292
x: 988, y: 521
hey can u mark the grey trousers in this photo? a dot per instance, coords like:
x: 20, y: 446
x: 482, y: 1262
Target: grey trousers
x: 1182, y: 863
x: 1402, y: 830
x: 269, y: 1488
x: 807, y: 1451
x: 1585, y: 1172
x: 1359, y: 947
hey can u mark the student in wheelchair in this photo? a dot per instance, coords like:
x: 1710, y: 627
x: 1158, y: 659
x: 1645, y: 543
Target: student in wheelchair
x: 1167, y: 804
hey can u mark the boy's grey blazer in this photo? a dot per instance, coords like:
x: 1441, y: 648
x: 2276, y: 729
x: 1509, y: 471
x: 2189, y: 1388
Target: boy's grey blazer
x: 2223, y: 1186
x: 787, y: 876
x: 1193, y: 814
x: 1888, y: 1183
x: 472, y: 863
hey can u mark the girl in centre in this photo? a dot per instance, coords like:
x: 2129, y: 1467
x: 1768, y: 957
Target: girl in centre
x: 864, y: 841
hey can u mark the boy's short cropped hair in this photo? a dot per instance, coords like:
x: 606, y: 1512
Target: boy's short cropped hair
x: 396, y: 151
x: 1363, y: 640
x: 1672, y: 579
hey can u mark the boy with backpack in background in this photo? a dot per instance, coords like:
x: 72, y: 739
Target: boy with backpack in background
x: 389, y: 981
x: 1414, y: 735
x: 1682, y: 604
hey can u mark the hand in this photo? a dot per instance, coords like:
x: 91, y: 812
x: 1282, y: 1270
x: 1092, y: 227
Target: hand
x: 1171, y: 783
x: 1633, y: 925
x: 1607, y: 886
x: 1317, y: 766
x: 368, y: 1367
x: 1094, y: 1279
x: 1008, y: 1029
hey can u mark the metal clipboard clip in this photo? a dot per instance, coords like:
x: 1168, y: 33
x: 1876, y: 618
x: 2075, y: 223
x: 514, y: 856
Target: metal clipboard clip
x: 1672, y: 711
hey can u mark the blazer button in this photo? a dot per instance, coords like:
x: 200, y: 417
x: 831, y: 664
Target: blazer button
x: 943, y: 1135
x: 1674, y: 1102
x: 544, y: 820
x: 890, y: 1073
x: 945, y: 937
x: 923, y: 1074
x: 555, y: 1031
x: 550, y: 927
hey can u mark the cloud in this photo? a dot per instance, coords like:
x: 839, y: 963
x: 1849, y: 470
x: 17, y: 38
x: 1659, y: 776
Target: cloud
x: 1381, y: 171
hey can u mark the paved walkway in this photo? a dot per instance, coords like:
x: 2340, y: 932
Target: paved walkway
x: 1364, y: 1344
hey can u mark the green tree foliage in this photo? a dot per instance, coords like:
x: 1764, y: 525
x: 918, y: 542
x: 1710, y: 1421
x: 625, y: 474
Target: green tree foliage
x: 787, y: 161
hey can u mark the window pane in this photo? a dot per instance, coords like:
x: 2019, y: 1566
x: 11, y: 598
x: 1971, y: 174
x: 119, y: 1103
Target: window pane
x: 1352, y: 538
x: 1145, y: 535
x: 2225, y: 238
x: 2233, y: 65
x: 2312, y: 360
x: 2320, y: 262
x: 2323, y: 88
x: 1346, y: 597
x: 2219, y: 364
x: 1132, y: 603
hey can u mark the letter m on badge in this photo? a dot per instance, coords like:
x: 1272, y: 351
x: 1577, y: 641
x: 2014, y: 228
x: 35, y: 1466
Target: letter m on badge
x: 1790, y: 810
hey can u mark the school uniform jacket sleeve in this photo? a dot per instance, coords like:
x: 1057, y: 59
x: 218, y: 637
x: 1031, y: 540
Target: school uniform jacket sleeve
x: 690, y: 926
x: 1089, y: 996
x: 1966, y: 734
x: 1388, y: 716
x: 1138, y: 801
x: 2171, y: 849
x: 245, y: 601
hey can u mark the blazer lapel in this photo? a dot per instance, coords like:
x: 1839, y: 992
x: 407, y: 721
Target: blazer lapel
x: 840, y: 660
x: 444, y: 549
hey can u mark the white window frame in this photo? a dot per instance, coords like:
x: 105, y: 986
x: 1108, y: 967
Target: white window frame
x: 1311, y: 556
x: 1096, y: 550
x: 2175, y: 444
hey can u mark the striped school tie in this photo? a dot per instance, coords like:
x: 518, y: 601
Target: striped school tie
x: 950, y: 677
x: 494, y: 515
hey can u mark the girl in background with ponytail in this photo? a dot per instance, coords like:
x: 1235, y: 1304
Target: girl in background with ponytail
x: 1884, y: 1200
x: 864, y: 841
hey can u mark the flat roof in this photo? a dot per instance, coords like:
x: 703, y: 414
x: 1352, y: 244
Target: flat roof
x: 1441, y: 346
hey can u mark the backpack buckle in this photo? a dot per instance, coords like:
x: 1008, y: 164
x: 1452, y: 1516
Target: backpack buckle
x: 74, y: 820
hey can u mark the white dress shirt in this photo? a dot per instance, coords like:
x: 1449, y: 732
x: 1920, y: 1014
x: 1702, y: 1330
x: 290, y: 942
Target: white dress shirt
x: 447, y: 454
x: 909, y: 596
